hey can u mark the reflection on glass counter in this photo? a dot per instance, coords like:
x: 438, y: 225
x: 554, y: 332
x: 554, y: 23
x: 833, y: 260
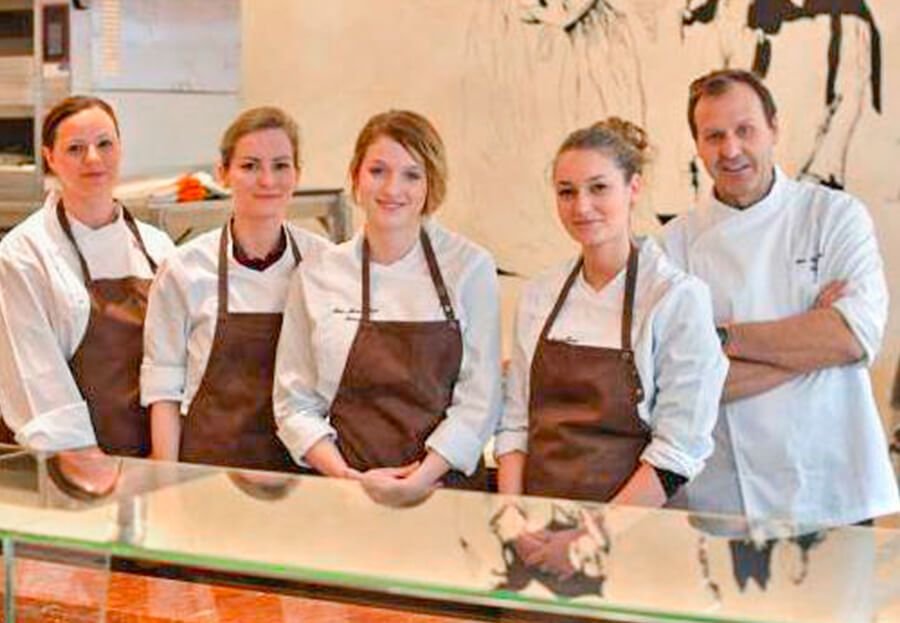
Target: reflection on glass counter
x: 492, y: 554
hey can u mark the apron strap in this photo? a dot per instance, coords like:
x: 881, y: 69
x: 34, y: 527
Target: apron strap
x: 129, y: 222
x: 223, y: 273
x: 561, y: 298
x: 365, y: 280
x: 436, y: 278
x: 295, y: 250
x: 627, y: 307
x: 132, y: 225
x: 67, y: 229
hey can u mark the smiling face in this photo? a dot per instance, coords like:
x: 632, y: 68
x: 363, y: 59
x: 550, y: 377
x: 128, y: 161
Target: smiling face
x: 261, y: 174
x: 391, y: 187
x: 85, y: 155
x: 736, y: 144
x: 593, y: 196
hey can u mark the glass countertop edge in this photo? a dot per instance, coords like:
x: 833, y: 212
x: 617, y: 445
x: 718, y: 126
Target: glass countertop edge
x: 437, y: 592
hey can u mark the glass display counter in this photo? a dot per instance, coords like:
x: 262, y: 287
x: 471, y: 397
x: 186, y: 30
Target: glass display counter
x: 457, y: 555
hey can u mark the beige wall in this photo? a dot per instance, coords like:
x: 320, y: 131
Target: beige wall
x: 503, y: 93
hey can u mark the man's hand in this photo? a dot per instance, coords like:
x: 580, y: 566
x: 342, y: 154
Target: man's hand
x: 830, y: 293
x: 813, y: 340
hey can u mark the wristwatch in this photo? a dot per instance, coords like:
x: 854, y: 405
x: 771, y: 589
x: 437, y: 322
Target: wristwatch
x: 724, y: 336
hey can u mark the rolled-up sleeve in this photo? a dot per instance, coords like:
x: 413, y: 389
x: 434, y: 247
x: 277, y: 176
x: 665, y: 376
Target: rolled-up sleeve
x: 689, y: 373
x: 472, y: 416
x: 166, y: 327
x: 39, y: 398
x: 851, y: 253
x: 512, y: 431
x: 300, y: 411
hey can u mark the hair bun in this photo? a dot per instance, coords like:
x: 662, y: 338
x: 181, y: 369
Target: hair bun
x: 633, y: 134
x: 625, y: 141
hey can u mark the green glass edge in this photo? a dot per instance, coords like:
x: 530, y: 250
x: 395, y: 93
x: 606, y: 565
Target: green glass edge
x: 354, y: 580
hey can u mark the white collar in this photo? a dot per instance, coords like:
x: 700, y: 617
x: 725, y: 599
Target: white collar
x: 413, y: 257
x: 771, y: 200
x: 79, y: 229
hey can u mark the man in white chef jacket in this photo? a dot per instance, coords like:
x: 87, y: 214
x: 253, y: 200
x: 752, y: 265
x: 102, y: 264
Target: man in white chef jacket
x: 800, y: 300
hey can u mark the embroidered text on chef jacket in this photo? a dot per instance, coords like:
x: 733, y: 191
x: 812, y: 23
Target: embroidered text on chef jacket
x: 812, y: 450
x: 677, y: 354
x: 322, y: 316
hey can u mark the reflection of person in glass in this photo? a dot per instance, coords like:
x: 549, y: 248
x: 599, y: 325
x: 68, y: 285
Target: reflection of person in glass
x: 84, y: 475
x: 616, y: 373
x: 753, y: 561
x: 388, y: 365
x: 215, y: 309
x: 264, y: 486
x: 75, y: 277
x: 577, y: 569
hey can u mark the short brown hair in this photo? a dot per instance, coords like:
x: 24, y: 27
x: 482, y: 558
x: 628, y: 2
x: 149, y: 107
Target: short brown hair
x: 624, y: 141
x: 71, y: 105
x: 256, y: 119
x: 417, y: 136
x: 717, y: 82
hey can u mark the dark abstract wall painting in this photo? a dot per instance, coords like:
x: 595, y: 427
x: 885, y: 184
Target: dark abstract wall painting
x: 769, y: 19
x: 567, y: 62
x: 536, y: 69
x: 594, y: 24
x: 559, y: 50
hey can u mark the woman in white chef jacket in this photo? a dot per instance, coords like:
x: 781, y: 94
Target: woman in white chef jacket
x: 73, y: 290
x: 216, y: 304
x: 616, y: 373
x: 388, y: 366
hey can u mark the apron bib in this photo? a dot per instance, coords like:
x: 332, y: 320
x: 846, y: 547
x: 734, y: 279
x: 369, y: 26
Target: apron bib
x: 585, y: 437
x: 106, y: 364
x: 230, y: 421
x: 397, y: 384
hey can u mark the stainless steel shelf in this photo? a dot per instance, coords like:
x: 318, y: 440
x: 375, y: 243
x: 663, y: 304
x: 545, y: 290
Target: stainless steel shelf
x: 183, y: 221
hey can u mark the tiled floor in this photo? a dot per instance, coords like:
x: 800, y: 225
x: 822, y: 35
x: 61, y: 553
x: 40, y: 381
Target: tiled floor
x: 51, y: 593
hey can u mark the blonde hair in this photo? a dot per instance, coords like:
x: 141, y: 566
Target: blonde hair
x: 417, y: 136
x: 624, y: 141
x: 254, y: 120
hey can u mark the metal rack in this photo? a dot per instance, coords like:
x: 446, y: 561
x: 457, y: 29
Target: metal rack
x: 27, y: 90
x: 183, y: 221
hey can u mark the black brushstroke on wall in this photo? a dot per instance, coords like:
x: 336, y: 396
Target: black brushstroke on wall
x: 768, y: 16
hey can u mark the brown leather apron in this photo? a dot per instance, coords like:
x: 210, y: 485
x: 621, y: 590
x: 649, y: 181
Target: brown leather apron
x: 397, y: 384
x: 106, y: 365
x: 584, y: 434
x: 230, y: 421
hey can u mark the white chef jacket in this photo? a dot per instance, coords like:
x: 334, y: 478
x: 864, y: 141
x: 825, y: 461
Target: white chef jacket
x: 676, y: 351
x: 322, y: 316
x: 184, y: 303
x: 811, y: 451
x: 44, y: 311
